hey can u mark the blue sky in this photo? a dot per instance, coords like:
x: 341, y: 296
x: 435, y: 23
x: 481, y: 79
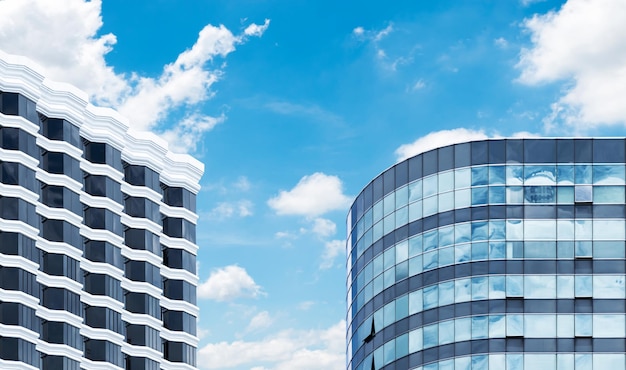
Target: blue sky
x: 293, y: 106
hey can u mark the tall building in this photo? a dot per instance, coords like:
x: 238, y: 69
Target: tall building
x: 495, y: 254
x: 97, y: 235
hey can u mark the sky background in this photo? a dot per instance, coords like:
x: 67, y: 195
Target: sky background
x: 294, y: 106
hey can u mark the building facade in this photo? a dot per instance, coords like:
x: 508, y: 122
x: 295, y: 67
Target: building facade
x: 97, y: 235
x: 495, y: 254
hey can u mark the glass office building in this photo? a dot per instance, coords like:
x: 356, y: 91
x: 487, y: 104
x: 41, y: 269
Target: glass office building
x: 97, y: 235
x: 495, y: 254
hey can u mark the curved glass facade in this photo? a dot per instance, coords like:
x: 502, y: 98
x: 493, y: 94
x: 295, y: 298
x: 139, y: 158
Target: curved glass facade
x: 495, y: 254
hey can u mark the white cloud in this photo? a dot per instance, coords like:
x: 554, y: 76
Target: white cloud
x: 286, y: 350
x: 314, y: 195
x: 242, y: 184
x: 584, y: 44
x: 257, y: 30
x: 229, y: 283
x: 224, y: 210
x: 501, y: 43
x: 530, y: 2
x: 306, y: 305
x: 383, y: 33
x: 438, y: 139
x: 62, y: 36
x: 260, y: 321
x: 324, y: 227
x: 420, y: 84
x: 332, y: 249
x: 358, y: 31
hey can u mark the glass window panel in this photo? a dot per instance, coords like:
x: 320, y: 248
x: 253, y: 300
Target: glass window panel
x: 446, y: 365
x: 544, y: 250
x: 565, y: 286
x: 565, y: 229
x: 540, y: 175
x: 415, y: 340
x: 379, y: 284
x: 462, y: 329
x: 514, y: 230
x: 389, y: 223
x: 480, y: 251
x: 480, y: 176
x: 446, y: 293
x: 497, y: 361
x: 608, y: 249
x: 389, y: 258
x: 608, y: 361
x: 583, y: 229
x: 565, y: 174
x: 497, y: 327
x: 389, y: 277
x: 497, y: 195
x: 583, y: 286
x: 446, y: 181
x: 540, y: 194
x: 415, y: 211
x: 430, y: 206
x: 415, y: 245
x: 583, y: 249
x: 462, y: 178
x: 378, y: 357
x: 416, y: 265
x: 583, y: 174
x: 539, y: 326
x: 415, y: 302
x: 514, y: 175
x: 480, y: 288
x: 497, y: 175
x: 431, y: 240
x: 565, y: 326
x: 514, y: 325
x: 497, y: 287
x: 462, y: 232
x: 402, y: 307
x: 539, y: 361
x: 446, y: 256
x: 377, y: 211
x: 378, y: 264
x: 583, y: 361
x: 446, y: 332
x: 608, y: 175
x: 608, y: 286
x: 608, y: 229
x: 608, y: 194
x: 402, y: 346
x: 480, y: 195
x: 583, y: 193
x: 462, y: 198
x: 402, y: 251
x: 431, y: 335
x: 415, y: 191
x: 463, y: 363
x: 514, y: 286
x: 402, y: 216
x: 514, y: 195
x: 389, y: 203
x: 514, y: 250
x: 431, y: 296
x: 446, y: 236
x: 539, y: 286
x: 389, y: 352
x: 446, y: 201
x: 462, y: 290
x: 480, y: 230
x: 565, y: 249
x: 462, y: 253
x: 565, y: 361
x: 480, y: 362
x: 565, y: 195
x: 583, y: 325
x: 608, y: 326
x: 402, y: 197
x: 430, y: 185
x: 497, y: 250
x: 389, y: 313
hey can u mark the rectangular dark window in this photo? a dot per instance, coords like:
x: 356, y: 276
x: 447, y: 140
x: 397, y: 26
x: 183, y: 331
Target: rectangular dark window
x: 101, y: 251
x: 103, y: 318
x: 141, y: 176
x: 142, y: 239
x: 143, y: 271
x: 179, y: 259
x: 143, y: 303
